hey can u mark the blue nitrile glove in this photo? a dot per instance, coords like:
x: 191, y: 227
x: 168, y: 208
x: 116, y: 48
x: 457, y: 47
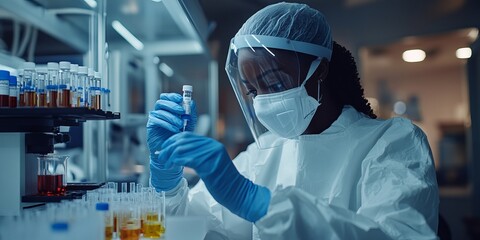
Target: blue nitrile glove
x: 212, y: 163
x: 162, y: 123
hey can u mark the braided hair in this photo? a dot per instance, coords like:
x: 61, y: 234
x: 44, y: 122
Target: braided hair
x: 344, y: 83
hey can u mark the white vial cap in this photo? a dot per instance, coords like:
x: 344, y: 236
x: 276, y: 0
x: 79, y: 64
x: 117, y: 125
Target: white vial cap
x: 98, y: 75
x: 91, y: 73
x: 74, y: 67
x: 82, y: 70
x: 52, y: 66
x: 188, y: 88
x: 29, y: 66
x: 20, y: 72
x: 64, y: 65
x: 42, y: 70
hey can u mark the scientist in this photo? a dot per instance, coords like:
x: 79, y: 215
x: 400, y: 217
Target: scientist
x: 321, y: 167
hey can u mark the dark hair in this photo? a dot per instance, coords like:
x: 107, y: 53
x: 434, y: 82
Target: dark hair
x: 343, y: 81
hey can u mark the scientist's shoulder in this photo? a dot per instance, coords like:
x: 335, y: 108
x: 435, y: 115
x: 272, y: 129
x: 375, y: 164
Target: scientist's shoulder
x: 397, y: 126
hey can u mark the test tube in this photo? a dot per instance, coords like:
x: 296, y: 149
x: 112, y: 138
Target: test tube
x: 4, y: 88
x: 132, y: 187
x: 74, y: 85
x: 187, y: 99
x: 96, y: 93
x: 30, y: 84
x: 13, y: 93
x: 21, y: 89
x: 90, y: 86
x: 52, y: 85
x: 41, y: 92
x: 82, y: 87
x: 124, y: 187
x: 64, y: 85
x: 108, y: 218
x: 105, y: 99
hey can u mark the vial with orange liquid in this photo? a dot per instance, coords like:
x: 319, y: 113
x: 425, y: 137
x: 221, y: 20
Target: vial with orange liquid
x: 64, y: 85
x: 52, y: 85
x: 29, y: 79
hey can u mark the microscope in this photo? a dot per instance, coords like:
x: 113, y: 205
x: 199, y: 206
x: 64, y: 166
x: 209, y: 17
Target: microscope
x: 30, y: 173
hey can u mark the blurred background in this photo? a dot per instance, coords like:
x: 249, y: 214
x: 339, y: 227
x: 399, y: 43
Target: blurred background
x: 417, y: 59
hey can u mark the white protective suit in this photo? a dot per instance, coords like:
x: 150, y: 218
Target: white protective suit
x: 360, y: 179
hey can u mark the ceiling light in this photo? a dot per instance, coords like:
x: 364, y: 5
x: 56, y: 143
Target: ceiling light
x: 137, y: 44
x: 91, y: 3
x: 463, y: 53
x: 473, y: 34
x: 414, y: 55
x: 167, y: 70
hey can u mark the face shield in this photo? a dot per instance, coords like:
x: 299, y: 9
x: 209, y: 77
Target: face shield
x: 259, y: 64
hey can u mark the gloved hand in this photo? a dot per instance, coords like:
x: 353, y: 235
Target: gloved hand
x: 212, y: 163
x: 164, y: 122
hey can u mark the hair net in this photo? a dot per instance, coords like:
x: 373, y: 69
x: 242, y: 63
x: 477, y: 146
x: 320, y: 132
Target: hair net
x: 292, y: 21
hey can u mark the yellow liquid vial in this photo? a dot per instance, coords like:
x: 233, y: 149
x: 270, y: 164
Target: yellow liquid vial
x: 153, y: 229
x: 108, y: 232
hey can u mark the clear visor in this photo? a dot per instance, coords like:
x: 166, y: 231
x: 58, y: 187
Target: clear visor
x: 259, y: 65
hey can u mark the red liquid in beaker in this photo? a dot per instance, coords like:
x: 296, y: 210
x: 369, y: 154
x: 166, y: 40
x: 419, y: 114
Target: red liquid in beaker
x: 51, y: 185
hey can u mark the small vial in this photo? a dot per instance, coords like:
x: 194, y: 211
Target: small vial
x: 64, y: 85
x: 13, y: 92
x: 96, y: 93
x: 187, y: 99
x: 106, y: 99
x: 4, y: 88
x: 29, y: 78
x: 21, y: 88
x: 108, y: 218
x: 52, y: 85
x: 91, y: 87
x: 74, y: 84
x: 82, y: 93
x: 41, y: 84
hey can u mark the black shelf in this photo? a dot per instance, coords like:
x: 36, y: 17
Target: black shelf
x: 74, y: 191
x: 48, y: 119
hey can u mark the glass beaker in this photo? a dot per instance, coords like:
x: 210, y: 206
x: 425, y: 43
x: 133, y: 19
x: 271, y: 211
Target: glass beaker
x: 52, y: 175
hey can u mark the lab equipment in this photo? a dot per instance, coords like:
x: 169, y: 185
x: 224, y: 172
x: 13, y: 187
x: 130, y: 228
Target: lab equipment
x: 29, y: 78
x: 211, y: 162
x: 52, y: 84
x: 13, y: 92
x: 106, y: 99
x: 74, y: 85
x: 91, y: 87
x: 42, y: 79
x: 96, y: 92
x: 186, y: 103
x: 4, y: 88
x: 21, y: 88
x: 103, y: 207
x: 64, y: 85
x: 51, y: 176
x: 82, y: 89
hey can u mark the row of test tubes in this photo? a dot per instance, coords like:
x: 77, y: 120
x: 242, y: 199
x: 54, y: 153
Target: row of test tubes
x: 103, y: 213
x: 74, y: 220
x: 137, y: 213
x: 60, y: 85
